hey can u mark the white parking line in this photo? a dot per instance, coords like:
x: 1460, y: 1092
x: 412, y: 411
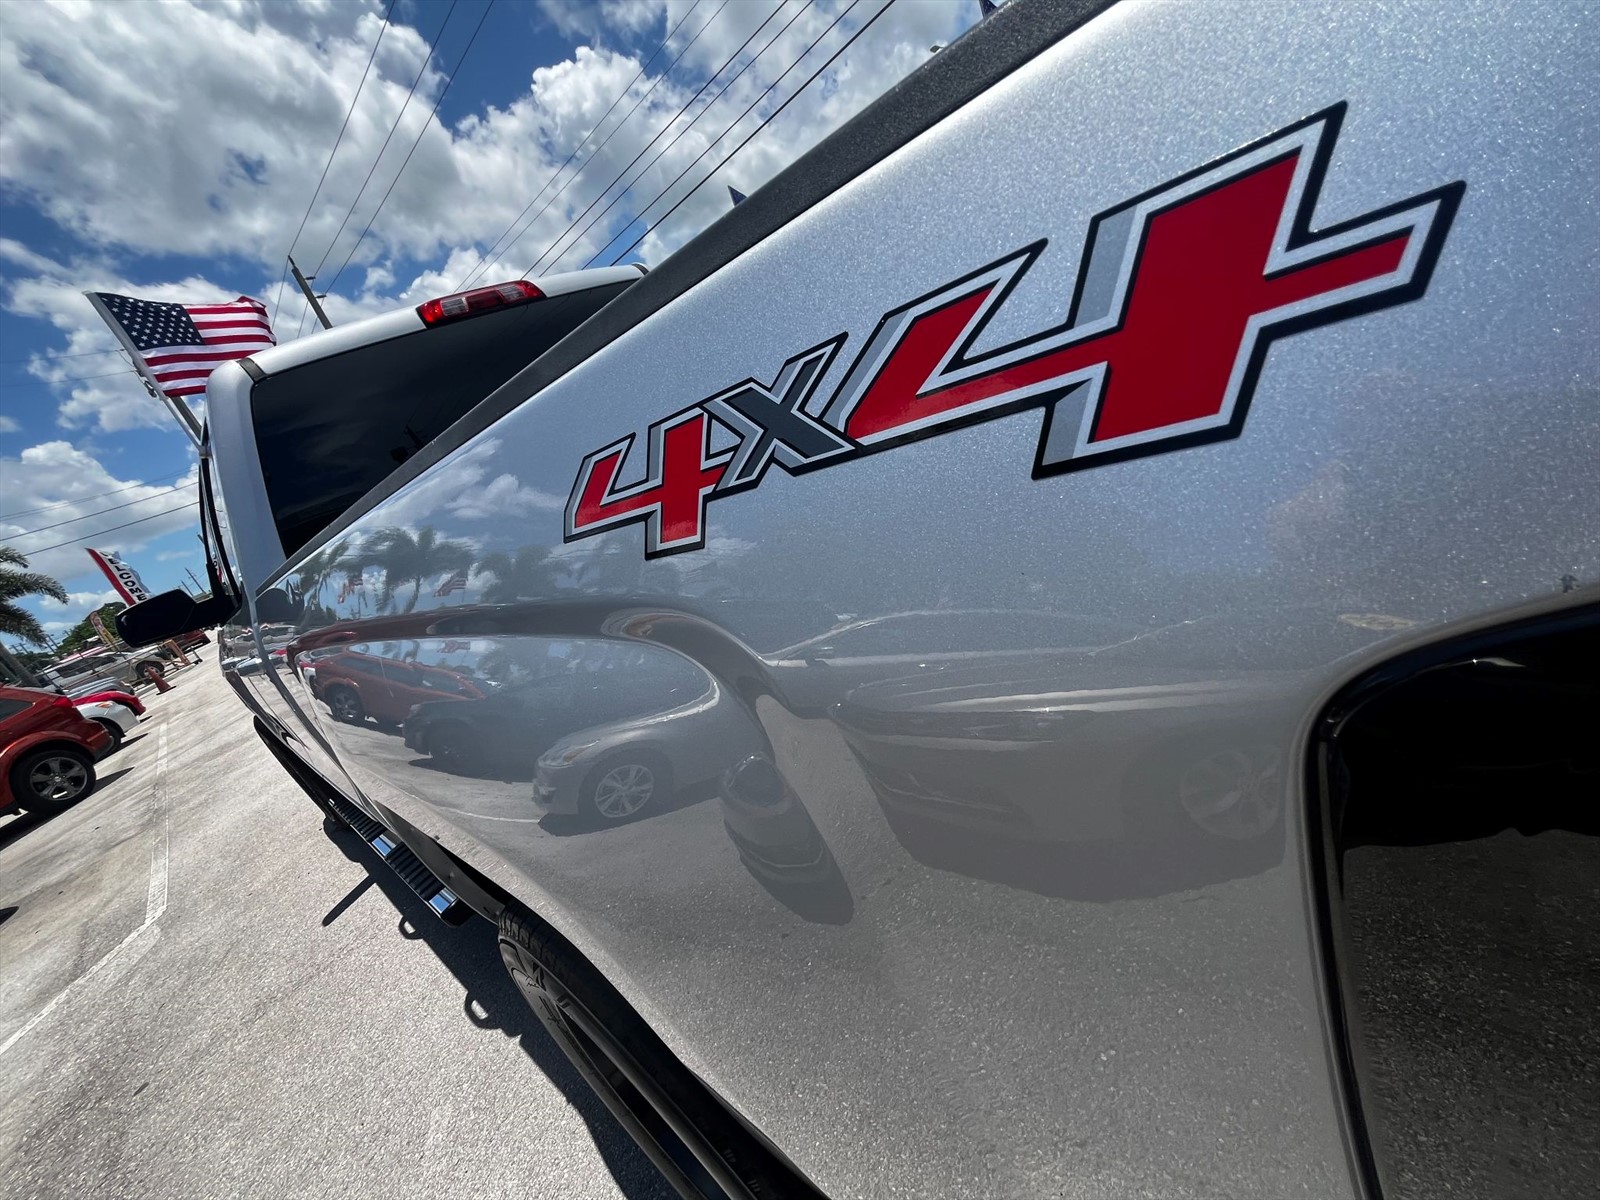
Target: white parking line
x: 155, y: 900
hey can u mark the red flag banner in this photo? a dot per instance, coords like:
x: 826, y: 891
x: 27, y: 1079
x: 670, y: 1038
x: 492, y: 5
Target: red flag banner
x: 123, y: 577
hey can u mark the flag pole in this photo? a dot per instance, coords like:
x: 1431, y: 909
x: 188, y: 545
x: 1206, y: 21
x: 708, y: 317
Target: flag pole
x: 180, y: 410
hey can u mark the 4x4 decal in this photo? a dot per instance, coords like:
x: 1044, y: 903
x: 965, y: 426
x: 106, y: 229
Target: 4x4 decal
x: 1180, y: 292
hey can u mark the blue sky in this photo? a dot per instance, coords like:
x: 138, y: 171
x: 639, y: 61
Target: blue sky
x: 171, y: 151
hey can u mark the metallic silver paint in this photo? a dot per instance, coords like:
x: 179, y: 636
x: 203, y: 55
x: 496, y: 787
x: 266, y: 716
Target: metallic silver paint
x: 946, y: 1008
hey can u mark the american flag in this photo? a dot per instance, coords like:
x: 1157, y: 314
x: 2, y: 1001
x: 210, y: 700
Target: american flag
x: 456, y: 583
x: 182, y: 344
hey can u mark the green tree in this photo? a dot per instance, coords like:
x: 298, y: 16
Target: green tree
x: 16, y: 581
x: 527, y: 576
x: 405, y: 558
x: 84, y: 633
x: 316, y: 569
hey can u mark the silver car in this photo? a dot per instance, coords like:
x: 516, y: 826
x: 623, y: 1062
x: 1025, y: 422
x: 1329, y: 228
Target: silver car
x: 679, y: 733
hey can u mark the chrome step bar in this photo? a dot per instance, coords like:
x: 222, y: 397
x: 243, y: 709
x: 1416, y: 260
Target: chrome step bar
x: 441, y: 901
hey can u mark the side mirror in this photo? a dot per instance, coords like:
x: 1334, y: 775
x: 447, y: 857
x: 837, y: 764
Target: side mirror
x: 171, y: 614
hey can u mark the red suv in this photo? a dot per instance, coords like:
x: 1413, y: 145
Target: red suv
x: 47, y: 750
x: 356, y: 686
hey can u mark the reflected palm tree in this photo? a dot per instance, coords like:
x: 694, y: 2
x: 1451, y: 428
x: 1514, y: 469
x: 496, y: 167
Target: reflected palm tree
x: 316, y: 569
x: 405, y: 558
x: 527, y: 576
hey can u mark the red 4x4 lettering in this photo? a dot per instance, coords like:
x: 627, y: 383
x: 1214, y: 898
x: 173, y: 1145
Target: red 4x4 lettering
x: 671, y: 501
x: 1179, y: 295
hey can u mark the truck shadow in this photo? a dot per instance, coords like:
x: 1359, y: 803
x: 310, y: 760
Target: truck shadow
x: 491, y: 1001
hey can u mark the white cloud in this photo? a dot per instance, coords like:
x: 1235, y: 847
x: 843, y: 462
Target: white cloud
x: 503, y: 496
x: 80, y: 602
x: 7, y: 425
x: 145, y: 175
x: 60, y: 492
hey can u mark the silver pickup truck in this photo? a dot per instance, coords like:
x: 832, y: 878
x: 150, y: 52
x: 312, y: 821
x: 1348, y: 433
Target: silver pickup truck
x: 1051, y: 652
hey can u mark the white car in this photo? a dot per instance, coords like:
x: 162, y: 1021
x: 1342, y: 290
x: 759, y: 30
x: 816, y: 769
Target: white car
x: 117, y: 719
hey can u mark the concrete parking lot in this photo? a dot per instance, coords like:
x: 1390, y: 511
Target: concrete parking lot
x: 203, y: 992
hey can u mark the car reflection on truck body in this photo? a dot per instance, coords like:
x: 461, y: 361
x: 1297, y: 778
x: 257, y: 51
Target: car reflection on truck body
x: 1163, y: 731
x: 596, y: 703
x: 1071, y: 912
x: 357, y: 685
x: 677, y: 732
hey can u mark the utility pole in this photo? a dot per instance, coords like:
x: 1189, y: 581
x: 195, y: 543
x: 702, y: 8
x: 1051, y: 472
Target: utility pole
x: 311, y: 297
x: 10, y: 666
x: 198, y: 586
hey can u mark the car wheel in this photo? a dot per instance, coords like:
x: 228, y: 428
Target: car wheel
x: 701, y: 1148
x: 456, y: 748
x: 625, y: 785
x: 113, y: 729
x: 1235, y: 795
x: 1228, y: 794
x: 346, y: 706
x: 150, y: 670
x: 48, y: 780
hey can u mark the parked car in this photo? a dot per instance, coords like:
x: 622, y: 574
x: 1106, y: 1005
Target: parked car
x: 126, y: 699
x: 1165, y: 734
x: 47, y: 750
x: 99, y: 669
x: 630, y: 741
x: 825, y: 668
x: 115, y: 718
x: 356, y: 686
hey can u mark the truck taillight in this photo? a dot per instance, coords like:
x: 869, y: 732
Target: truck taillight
x: 478, y: 300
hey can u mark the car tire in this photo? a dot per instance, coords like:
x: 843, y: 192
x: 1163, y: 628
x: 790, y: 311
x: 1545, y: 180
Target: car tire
x: 701, y: 1148
x: 113, y: 729
x: 51, y: 780
x: 150, y: 670
x: 625, y: 784
x: 346, y: 706
x: 456, y: 748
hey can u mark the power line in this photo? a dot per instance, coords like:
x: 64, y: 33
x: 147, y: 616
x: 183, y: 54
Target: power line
x: 415, y: 143
x: 97, y: 496
x: 46, y: 354
x: 494, y: 250
x: 660, y: 133
x: 775, y: 112
x: 578, y: 174
x: 400, y: 116
x: 99, y: 512
x: 722, y: 91
x: 69, y: 379
x: 277, y: 305
x: 102, y: 532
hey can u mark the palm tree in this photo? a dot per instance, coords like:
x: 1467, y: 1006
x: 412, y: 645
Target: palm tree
x: 527, y: 576
x: 405, y: 557
x: 316, y: 569
x: 16, y: 621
